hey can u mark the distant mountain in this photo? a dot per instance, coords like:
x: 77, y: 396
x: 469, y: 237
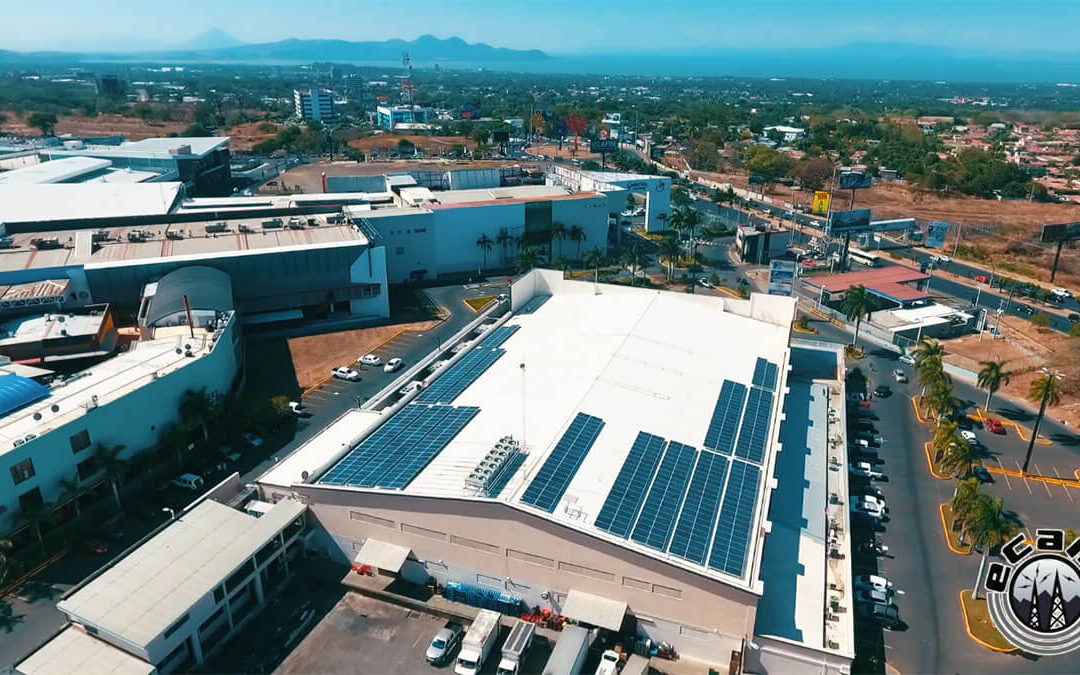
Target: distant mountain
x: 215, y: 38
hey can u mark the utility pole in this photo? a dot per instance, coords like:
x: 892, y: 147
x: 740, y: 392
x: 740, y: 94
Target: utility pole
x: 959, y: 232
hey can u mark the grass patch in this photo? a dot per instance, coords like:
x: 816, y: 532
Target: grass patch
x: 479, y: 304
x: 980, y: 626
x: 952, y: 531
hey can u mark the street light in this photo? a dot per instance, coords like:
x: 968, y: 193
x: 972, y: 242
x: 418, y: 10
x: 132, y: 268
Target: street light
x: 1050, y: 375
x: 170, y: 511
x: 436, y: 338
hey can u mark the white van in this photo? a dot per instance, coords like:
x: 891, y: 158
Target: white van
x: 188, y: 481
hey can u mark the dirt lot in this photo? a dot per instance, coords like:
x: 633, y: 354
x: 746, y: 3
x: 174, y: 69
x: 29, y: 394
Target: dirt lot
x: 243, y: 137
x: 432, y: 145
x: 567, y: 151
x: 307, y: 177
x: 102, y: 125
x: 314, y: 356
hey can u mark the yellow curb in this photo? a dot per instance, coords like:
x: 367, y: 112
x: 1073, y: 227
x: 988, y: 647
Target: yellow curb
x: 918, y: 413
x: 1035, y: 477
x: 930, y: 463
x: 488, y: 299
x: 804, y: 331
x: 945, y: 527
x: 890, y: 669
x: 967, y: 627
x: 1020, y: 429
x: 730, y: 292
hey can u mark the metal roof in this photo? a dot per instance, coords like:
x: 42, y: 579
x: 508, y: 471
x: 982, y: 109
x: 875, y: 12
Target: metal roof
x: 382, y: 555
x: 43, y: 202
x: 74, y: 651
x: 17, y: 391
x: 885, y: 281
x: 594, y: 609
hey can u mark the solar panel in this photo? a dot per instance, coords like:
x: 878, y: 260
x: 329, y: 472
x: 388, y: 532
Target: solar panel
x: 765, y: 374
x: 732, y: 539
x: 450, y: 384
x: 755, y: 425
x: 497, y: 337
x: 725, y: 419
x: 661, y: 506
x: 550, y: 483
x: 400, y: 449
x: 698, y: 516
x: 628, y: 492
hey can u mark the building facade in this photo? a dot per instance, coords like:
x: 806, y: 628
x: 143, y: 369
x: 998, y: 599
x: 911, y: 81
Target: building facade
x: 316, y: 105
x: 389, y: 116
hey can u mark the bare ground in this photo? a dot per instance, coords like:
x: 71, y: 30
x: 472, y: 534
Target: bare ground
x: 567, y: 151
x: 307, y: 177
x: 314, y: 356
x: 103, y: 125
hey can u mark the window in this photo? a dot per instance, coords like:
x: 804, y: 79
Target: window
x: 234, y: 581
x: 80, y: 441
x: 87, y: 467
x: 586, y: 571
x: 374, y: 520
x: 530, y: 558
x: 22, y: 471
x: 30, y: 499
x: 219, y: 594
x: 400, y: 250
x: 175, y: 626
x: 422, y: 531
x: 472, y: 543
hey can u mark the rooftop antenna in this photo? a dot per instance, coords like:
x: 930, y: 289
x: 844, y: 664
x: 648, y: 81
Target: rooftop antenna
x: 522, y: 366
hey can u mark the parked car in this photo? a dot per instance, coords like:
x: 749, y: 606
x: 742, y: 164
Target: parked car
x: 969, y: 436
x: 346, y: 373
x: 188, y: 481
x: 995, y: 425
x: 393, y: 365
x: 982, y: 279
x: 1025, y: 309
x: 230, y: 454
x: 872, y: 595
x: 297, y: 408
x: 899, y: 375
x: 254, y: 440
x: 873, y: 581
x: 982, y: 474
x: 704, y: 282
x: 887, y: 615
x: 371, y: 360
x: 866, y: 508
x: 1062, y: 293
x: 1075, y: 318
x: 442, y: 646
x: 882, y: 391
x: 908, y: 359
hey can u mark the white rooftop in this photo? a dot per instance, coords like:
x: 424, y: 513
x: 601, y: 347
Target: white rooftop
x: 145, y: 592
x: 74, y: 651
x: 619, y: 176
x: 56, y: 171
x: 20, y: 203
x: 927, y: 315
x: 490, y: 194
x: 159, y: 148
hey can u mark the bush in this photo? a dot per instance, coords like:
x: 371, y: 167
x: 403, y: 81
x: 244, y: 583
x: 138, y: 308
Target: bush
x: 1042, y: 320
x: 1074, y: 331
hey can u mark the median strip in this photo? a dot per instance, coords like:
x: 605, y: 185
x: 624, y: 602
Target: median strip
x: 951, y: 533
x: 980, y: 627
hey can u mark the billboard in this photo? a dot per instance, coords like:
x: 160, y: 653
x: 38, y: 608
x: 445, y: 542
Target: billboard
x: 604, y: 146
x: 935, y: 235
x: 1063, y: 232
x: 782, y: 277
x: 854, y: 180
x: 822, y: 200
x: 502, y: 136
x: 850, y: 221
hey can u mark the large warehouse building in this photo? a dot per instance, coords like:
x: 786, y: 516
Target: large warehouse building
x: 581, y: 456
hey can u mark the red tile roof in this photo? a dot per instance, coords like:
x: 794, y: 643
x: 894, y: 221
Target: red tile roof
x: 887, y: 281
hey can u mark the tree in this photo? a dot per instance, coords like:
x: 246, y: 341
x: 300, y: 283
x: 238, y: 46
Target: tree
x: 594, y: 259
x: 945, y: 436
x: 562, y: 264
x: 485, y: 244
x: 669, y: 251
x: 71, y: 490
x: 7, y: 563
x: 991, y: 376
x: 528, y: 259
x: 1042, y: 320
x: 680, y: 198
x: 856, y: 305
x: 46, y: 122
x: 198, y: 130
x: 37, y: 516
x: 558, y: 233
x: 767, y: 163
x: 960, y: 458
x: 196, y: 409
x: 928, y: 350
x: 966, y: 498
x: 577, y: 235
x: 115, y: 468
x: 632, y: 257
x: 987, y: 528
x: 503, y: 239
x: 812, y: 173
x: 1046, y: 389
x: 942, y: 399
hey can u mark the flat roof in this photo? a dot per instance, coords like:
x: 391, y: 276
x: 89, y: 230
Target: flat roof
x: 497, y: 194
x: 43, y: 202
x: 610, y: 355
x: 503, y: 200
x: 885, y: 281
x: 48, y: 326
x: 160, y: 148
x: 618, y: 176
x: 56, y: 171
x: 75, y: 651
x: 146, y: 591
x: 932, y: 314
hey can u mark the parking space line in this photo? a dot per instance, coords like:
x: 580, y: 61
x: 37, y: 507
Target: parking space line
x: 1063, y: 486
x: 1021, y: 470
x: 1039, y: 472
x: 1008, y: 483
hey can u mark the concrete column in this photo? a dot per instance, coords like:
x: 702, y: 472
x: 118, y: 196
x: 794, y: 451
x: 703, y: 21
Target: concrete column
x: 196, y: 646
x: 258, y: 587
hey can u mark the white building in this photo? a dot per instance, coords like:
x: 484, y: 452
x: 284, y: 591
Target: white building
x: 616, y: 185
x: 579, y: 457
x: 789, y: 134
x: 314, y: 104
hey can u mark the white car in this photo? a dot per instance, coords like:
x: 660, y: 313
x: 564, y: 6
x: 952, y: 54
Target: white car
x: 908, y: 359
x: 371, y: 360
x: 1061, y: 292
x: 296, y: 407
x: 873, y: 581
x: 969, y: 436
x: 393, y: 365
x: 873, y: 595
x: 899, y: 376
x: 346, y: 373
x: 868, y: 508
x: 704, y: 282
x: 415, y: 385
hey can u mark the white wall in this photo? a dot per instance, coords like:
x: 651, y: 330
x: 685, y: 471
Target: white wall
x: 370, y: 268
x: 458, y: 229
x: 589, y: 214
x: 409, y: 243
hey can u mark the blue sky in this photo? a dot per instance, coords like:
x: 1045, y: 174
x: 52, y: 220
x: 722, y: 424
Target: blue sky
x: 557, y: 26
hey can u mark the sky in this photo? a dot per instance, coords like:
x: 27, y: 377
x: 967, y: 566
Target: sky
x: 556, y: 26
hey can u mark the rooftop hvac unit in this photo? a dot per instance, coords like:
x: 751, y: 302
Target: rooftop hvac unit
x: 217, y: 227
x: 138, y: 235
x: 174, y: 234
x: 495, y: 469
x: 246, y: 229
x: 272, y: 224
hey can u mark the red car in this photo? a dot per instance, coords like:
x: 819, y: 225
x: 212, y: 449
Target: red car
x: 982, y: 279
x: 995, y: 425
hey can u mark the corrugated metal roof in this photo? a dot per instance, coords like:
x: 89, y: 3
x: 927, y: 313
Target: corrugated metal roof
x: 17, y: 392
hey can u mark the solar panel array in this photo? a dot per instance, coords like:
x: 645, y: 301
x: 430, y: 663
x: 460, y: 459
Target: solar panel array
x: 550, y: 483
x: 755, y: 425
x: 661, y: 507
x: 698, y: 517
x: 627, y: 494
x: 462, y: 374
x: 732, y: 541
x: 725, y: 418
x: 398, y: 450
x: 497, y: 337
x: 765, y: 373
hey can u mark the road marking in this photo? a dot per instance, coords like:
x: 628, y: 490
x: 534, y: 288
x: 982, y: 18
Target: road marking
x: 1008, y: 483
x: 1039, y: 472
x: 1020, y: 470
x: 1063, y: 486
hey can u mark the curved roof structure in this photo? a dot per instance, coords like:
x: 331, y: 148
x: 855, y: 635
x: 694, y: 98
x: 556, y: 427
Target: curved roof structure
x: 17, y: 392
x: 205, y: 288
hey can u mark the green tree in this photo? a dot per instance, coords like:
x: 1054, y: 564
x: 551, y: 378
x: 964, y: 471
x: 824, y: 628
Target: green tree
x: 559, y: 234
x: 961, y: 458
x: 44, y: 121
x: 680, y: 197
x: 1047, y: 390
x: 71, y: 490
x: 632, y: 257
x: 114, y: 466
x: 594, y: 259
x: 946, y: 435
x: 1042, y: 320
x: 856, y: 305
x: 577, y: 235
x: 942, y: 399
x: 37, y: 516
x: 528, y: 259
x: 991, y: 376
x: 669, y: 252
x: 7, y: 563
x: 196, y: 409
x: 767, y: 163
x: 485, y: 244
x: 563, y: 265
x: 987, y: 528
x: 967, y: 498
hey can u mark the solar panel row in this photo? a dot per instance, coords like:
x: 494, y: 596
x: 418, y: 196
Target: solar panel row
x: 755, y: 425
x: 731, y: 543
x: 497, y: 337
x: 400, y: 449
x: 765, y: 373
x: 550, y: 483
x: 628, y: 492
x: 725, y: 418
x: 449, y: 385
x: 661, y: 506
x: 697, y: 519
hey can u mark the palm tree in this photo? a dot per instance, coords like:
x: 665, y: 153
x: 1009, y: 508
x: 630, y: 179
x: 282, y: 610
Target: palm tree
x: 632, y: 258
x: 577, y: 235
x: 669, y: 249
x: 942, y: 399
x: 485, y: 244
x: 563, y: 265
x: 196, y: 409
x: 928, y: 350
x: 961, y: 458
x: 966, y: 498
x: 594, y: 259
x: 856, y: 305
x: 528, y: 259
x: 115, y: 467
x: 7, y: 563
x: 1044, y: 388
x: 987, y: 528
x: 991, y: 376
x: 558, y: 233
x: 946, y: 435
x: 37, y: 516
x: 503, y: 238
x: 71, y: 490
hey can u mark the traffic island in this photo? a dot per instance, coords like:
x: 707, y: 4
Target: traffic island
x: 932, y: 459
x: 953, y: 530
x: 980, y: 627
x: 854, y: 352
x: 479, y: 304
x: 922, y: 410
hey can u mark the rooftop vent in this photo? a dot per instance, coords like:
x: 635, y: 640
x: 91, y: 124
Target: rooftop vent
x: 493, y: 472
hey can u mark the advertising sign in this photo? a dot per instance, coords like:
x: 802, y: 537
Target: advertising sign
x: 821, y: 202
x: 850, y: 221
x: 935, y: 235
x: 1063, y: 232
x: 782, y: 277
x: 605, y: 146
x: 855, y: 180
